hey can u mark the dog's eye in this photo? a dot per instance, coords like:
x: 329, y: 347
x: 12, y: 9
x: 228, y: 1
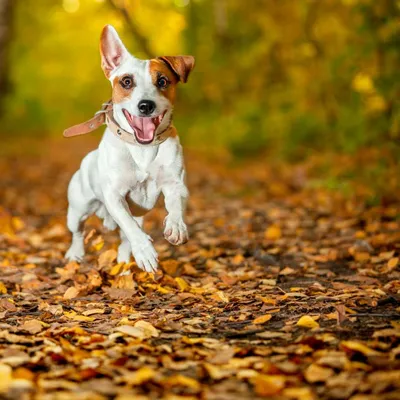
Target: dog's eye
x: 126, y: 82
x: 162, y: 82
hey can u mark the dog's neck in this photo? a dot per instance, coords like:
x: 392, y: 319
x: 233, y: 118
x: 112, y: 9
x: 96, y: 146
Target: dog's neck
x: 143, y: 156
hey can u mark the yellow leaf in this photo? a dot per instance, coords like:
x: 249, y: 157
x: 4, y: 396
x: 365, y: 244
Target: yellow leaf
x: 73, y: 315
x: 392, y: 263
x: 181, y: 380
x: 183, y: 285
x: 267, y: 300
x: 3, y: 289
x: 301, y: 393
x: 307, y: 322
x: 238, y: 259
x: 163, y: 290
x: 362, y: 256
x: 263, y: 319
x: 5, y: 377
x: 17, y: 223
x: 273, y: 233
x: 268, y: 385
x: 140, y: 376
x: 359, y: 347
x: 116, y: 269
x: 98, y: 243
x: 220, y: 296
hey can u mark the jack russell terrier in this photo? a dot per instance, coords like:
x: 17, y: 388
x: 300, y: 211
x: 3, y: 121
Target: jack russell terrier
x: 139, y: 156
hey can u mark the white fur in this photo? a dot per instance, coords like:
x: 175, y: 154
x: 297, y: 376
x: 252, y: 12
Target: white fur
x: 120, y: 182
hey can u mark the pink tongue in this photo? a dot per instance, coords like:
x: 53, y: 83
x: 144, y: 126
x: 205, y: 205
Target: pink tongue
x: 144, y: 127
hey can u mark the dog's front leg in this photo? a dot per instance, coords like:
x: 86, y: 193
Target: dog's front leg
x: 142, y: 248
x: 175, y: 197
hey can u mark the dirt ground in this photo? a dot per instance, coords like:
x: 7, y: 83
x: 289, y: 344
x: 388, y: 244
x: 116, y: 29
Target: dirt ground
x: 284, y: 291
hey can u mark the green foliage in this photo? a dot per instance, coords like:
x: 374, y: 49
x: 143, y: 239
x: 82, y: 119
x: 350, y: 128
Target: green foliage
x: 288, y: 76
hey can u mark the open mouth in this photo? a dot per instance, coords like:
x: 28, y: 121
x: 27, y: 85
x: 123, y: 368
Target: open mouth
x: 144, y: 127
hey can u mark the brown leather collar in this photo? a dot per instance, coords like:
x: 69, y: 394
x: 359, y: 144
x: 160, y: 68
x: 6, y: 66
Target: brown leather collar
x: 105, y: 116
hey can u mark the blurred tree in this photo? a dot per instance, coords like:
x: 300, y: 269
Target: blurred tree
x: 6, y: 8
x: 290, y: 76
x: 139, y: 38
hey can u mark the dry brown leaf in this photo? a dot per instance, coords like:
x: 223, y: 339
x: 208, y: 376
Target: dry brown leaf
x: 71, y: 293
x: 107, y: 258
x: 315, y: 373
x: 140, y: 330
x: 32, y: 326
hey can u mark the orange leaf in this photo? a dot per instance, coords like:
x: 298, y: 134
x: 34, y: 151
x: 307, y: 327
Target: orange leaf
x: 263, y: 319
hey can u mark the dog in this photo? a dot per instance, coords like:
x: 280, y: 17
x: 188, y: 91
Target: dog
x: 138, y: 159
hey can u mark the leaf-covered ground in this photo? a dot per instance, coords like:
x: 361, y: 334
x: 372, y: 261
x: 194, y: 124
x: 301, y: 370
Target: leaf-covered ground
x: 284, y: 291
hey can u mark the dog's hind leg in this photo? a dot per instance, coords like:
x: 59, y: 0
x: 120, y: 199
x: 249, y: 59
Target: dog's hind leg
x: 80, y: 207
x: 75, y: 221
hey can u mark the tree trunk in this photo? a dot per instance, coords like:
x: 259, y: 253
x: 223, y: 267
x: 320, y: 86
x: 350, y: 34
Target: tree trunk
x: 6, y: 7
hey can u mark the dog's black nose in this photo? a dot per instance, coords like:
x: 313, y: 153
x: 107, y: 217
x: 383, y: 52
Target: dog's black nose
x: 146, y: 107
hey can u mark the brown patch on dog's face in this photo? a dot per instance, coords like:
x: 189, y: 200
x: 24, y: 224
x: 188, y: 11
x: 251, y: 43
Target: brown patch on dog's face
x: 163, y: 79
x: 122, y: 87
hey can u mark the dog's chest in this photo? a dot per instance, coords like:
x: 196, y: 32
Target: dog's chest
x: 144, y: 164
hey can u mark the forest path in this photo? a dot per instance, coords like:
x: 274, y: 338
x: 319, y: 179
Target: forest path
x: 283, y: 291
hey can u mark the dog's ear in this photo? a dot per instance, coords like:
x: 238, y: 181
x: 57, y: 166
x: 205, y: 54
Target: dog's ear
x: 180, y: 65
x: 112, y: 50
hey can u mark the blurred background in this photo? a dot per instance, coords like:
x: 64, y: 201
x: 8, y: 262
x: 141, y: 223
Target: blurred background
x: 279, y: 78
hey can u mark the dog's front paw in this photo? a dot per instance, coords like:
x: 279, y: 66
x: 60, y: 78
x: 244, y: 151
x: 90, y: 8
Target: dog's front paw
x: 175, y: 231
x: 146, y: 256
x: 75, y: 252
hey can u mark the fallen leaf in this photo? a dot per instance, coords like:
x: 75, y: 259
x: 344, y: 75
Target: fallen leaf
x: 106, y: 258
x: 71, y: 293
x: 140, y: 376
x: 359, y: 347
x: 140, y: 330
x: 32, y: 326
x: 263, y: 319
x: 5, y: 377
x: 273, y: 232
x: 315, y: 373
x: 3, y: 289
x: 183, y: 285
x: 268, y: 385
x: 73, y: 315
x: 307, y: 322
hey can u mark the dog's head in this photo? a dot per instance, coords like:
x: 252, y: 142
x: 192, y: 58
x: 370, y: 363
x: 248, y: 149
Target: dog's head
x: 143, y: 90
